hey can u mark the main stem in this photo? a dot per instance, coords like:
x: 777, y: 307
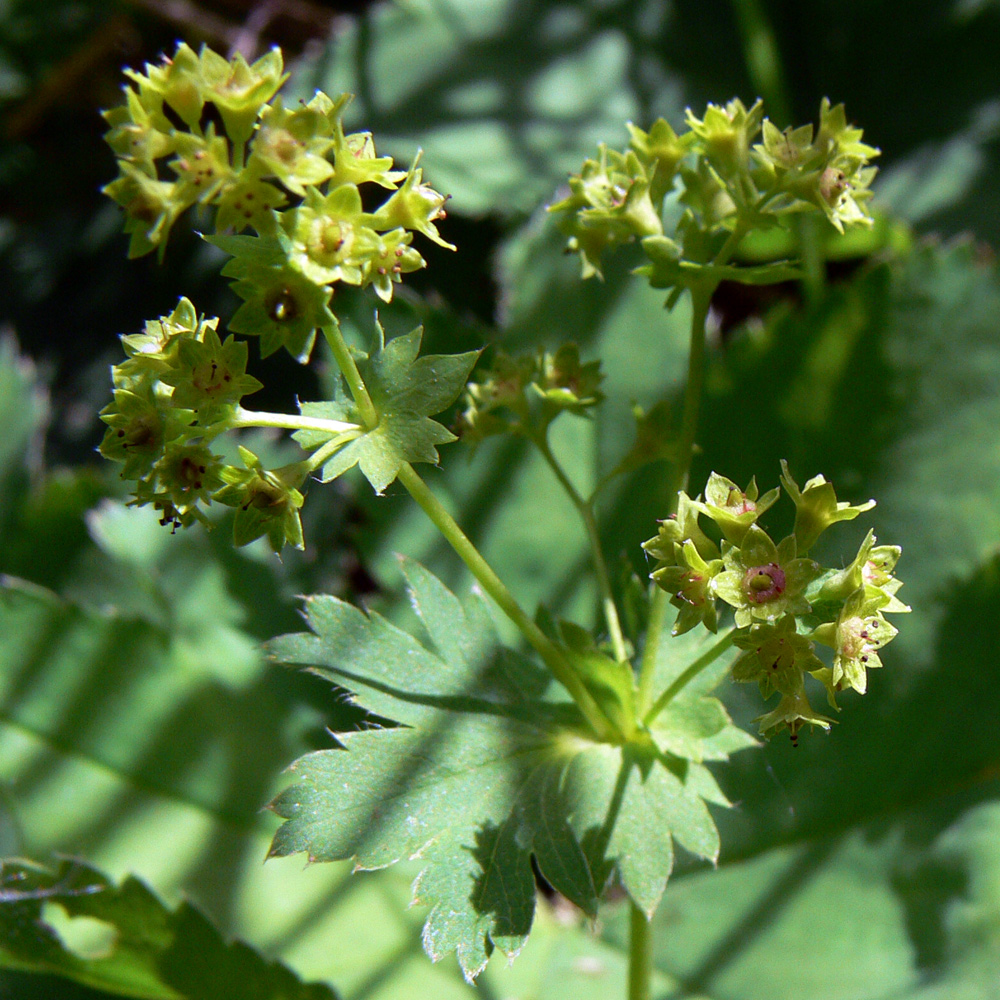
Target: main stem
x: 640, y: 955
x: 495, y: 587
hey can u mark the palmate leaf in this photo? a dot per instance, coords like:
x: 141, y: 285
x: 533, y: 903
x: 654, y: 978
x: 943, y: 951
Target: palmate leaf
x: 72, y: 921
x: 407, y: 391
x: 491, y: 765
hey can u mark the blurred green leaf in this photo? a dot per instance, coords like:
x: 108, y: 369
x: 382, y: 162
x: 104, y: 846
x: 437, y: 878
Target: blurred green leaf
x: 505, y: 98
x: 69, y: 919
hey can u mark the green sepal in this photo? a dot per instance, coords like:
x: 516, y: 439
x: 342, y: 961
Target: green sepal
x: 734, y: 510
x: 690, y: 583
x: 816, y: 507
x: 267, y: 502
x: 281, y: 305
x: 678, y: 528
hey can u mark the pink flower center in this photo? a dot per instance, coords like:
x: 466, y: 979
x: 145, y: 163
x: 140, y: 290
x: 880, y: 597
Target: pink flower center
x: 764, y: 583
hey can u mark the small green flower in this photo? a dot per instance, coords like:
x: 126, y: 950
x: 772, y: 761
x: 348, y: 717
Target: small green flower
x: 725, y: 135
x: 856, y: 636
x: 202, y: 165
x: 661, y: 151
x: 565, y: 383
x: 763, y: 581
x: 414, y: 206
x: 689, y: 581
x: 284, y: 308
x: 177, y: 81
x: 138, y: 429
x: 151, y: 207
x: 609, y: 203
x: 793, y: 710
x: 240, y: 90
x: 816, y: 507
x: 209, y: 376
x: 354, y: 158
x: 182, y: 480
x: 323, y: 231
x: 153, y: 350
x: 267, y: 502
x: 139, y: 135
x: 775, y: 657
x: 871, y: 568
x: 292, y: 146
x: 250, y: 201
x: 876, y: 571
x: 785, y: 150
x: 837, y: 178
x: 734, y: 510
x: 534, y: 389
x: 676, y: 530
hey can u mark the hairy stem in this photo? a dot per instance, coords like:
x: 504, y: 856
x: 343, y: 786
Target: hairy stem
x: 640, y: 955
x: 585, y: 509
x: 706, y: 659
x: 494, y: 586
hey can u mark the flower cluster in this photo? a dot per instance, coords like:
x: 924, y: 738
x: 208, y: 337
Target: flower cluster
x: 292, y: 176
x: 524, y: 395
x: 722, y: 177
x: 783, y: 602
x: 178, y: 389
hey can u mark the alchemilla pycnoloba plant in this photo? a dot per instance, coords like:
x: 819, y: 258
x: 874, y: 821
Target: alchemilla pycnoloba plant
x: 586, y: 750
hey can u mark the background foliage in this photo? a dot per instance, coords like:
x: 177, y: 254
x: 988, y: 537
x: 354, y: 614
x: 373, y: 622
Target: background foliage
x: 140, y: 727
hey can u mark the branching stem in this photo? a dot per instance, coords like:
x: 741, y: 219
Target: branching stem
x: 706, y: 659
x: 291, y: 421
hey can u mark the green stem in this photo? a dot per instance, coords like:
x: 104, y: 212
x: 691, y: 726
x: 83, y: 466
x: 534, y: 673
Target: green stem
x: 811, y: 253
x: 647, y: 667
x: 320, y: 455
x: 706, y: 659
x: 494, y: 586
x: 701, y: 297
x: 640, y: 956
x: 585, y: 509
x: 290, y: 421
x: 349, y: 369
